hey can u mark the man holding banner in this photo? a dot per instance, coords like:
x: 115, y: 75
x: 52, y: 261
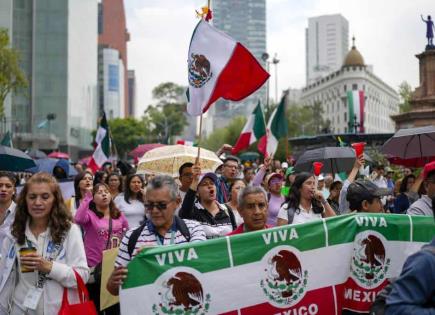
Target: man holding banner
x: 163, y: 228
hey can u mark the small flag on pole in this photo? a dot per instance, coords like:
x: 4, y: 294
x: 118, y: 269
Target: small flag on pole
x: 102, y: 149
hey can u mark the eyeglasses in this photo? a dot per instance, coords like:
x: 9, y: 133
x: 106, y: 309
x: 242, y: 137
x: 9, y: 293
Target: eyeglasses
x: 188, y: 175
x: 253, y: 206
x: 159, y: 205
x: 231, y: 166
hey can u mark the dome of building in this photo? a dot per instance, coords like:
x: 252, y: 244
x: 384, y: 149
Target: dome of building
x: 353, y: 57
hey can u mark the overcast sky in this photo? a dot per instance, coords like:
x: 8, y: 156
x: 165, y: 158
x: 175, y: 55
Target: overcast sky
x: 388, y: 34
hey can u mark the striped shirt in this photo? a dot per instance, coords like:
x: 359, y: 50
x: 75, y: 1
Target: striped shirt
x: 148, y: 238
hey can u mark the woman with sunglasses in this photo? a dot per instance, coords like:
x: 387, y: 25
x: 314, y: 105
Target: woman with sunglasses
x: 104, y: 226
x: 131, y: 201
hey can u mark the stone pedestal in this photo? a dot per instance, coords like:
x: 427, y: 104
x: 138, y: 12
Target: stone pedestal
x: 423, y: 98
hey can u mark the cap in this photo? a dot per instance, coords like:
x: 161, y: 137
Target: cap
x: 361, y: 190
x: 321, y: 177
x: 273, y: 175
x: 289, y: 171
x: 210, y: 175
x: 389, y: 170
x: 284, y: 164
x: 428, y: 168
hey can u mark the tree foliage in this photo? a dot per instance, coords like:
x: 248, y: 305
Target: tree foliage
x: 229, y: 134
x: 167, y: 117
x: 127, y: 133
x: 405, y: 93
x: 12, y: 77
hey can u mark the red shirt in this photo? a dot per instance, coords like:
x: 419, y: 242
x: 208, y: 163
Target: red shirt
x: 241, y: 229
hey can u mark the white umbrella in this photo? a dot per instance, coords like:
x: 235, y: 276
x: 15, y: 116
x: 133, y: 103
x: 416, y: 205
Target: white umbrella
x: 168, y: 159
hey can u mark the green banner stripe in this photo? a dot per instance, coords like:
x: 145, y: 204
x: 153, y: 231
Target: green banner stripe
x: 351, y: 108
x: 217, y: 254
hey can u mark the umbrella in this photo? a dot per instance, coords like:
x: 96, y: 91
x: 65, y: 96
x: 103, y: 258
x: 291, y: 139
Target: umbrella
x: 48, y: 164
x: 412, y: 143
x: 59, y: 155
x: 14, y: 160
x: 249, y: 156
x: 141, y: 149
x: 334, y: 159
x: 36, y: 154
x: 168, y: 159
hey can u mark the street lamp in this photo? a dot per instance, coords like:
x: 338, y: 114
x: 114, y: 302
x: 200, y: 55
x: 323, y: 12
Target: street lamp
x: 275, y: 61
x: 356, y: 124
x: 265, y: 58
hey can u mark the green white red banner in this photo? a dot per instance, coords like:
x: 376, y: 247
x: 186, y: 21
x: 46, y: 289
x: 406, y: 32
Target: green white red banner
x: 320, y: 267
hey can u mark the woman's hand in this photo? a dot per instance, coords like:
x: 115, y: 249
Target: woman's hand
x: 318, y: 195
x: 34, y: 261
x: 116, y: 280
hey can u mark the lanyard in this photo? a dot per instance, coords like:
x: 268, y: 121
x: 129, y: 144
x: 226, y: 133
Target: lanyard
x: 159, y: 242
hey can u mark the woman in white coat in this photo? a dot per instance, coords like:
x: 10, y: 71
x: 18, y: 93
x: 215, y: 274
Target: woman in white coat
x: 40, y: 256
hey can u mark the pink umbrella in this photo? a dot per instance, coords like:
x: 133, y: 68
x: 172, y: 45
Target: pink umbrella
x: 85, y: 160
x: 141, y: 149
x: 59, y: 155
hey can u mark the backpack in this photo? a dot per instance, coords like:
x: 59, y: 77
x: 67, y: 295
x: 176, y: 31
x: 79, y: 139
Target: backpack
x: 181, y: 225
x: 229, y: 211
x: 379, y: 305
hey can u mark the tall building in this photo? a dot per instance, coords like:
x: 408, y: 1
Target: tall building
x: 326, y: 45
x: 131, y: 93
x: 113, y: 35
x: 56, y: 41
x: 381, y: 100
x: 245, y: 21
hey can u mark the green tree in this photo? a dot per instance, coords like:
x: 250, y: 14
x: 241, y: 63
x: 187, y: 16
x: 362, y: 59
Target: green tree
x: 12, y: 77
x: 405, y: 93
x: 229, y: 134
x: 167, y: 117
x: 127, y: 133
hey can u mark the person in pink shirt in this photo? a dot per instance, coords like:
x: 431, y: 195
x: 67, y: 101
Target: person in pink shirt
x: 104, y: 226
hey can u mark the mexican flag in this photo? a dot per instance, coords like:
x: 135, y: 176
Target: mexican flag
x: 320, y: 267
x: 219, y: 66
x: 187, y: 142
x: 254, y: 129
x: 355, y: 101
x: 276, y: 129
x: 102, y: 149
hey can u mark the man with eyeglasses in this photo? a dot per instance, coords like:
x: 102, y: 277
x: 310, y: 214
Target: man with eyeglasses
x: 163, y: 228
x: 186, y: 178
x: 423, y: 206
x: 253, y: 209
x: 230, y: 171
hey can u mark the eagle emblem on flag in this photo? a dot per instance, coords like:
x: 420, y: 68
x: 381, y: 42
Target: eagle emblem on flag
x: 286, y: 281
x: 199, y: 70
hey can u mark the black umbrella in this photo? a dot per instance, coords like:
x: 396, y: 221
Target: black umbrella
x: 334, y: 159
x: 14, y: 160
x: 36, y: 154
x: 411, y: 143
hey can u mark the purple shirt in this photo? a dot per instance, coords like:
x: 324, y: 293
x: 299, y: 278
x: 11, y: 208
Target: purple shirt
x: 97, y: 231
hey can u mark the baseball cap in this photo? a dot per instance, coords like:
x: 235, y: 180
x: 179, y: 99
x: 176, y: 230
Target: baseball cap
x: 361, y: 190
x: 389, y: 170
x: 284, y: 164
x: 321, y: 177
x: 210, y: 175
x: 428, y: 168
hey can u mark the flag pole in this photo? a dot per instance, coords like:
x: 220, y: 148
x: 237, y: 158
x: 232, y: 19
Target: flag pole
x: 200, y: 118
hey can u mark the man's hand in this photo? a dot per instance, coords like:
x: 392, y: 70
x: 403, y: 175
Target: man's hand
x: 196, y: 170
x: 116, y: 280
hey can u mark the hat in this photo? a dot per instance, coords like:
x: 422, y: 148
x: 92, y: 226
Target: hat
x: 210, y: 175
x: 273, y: 175
x: 284, y: 164
x: 428, y: 168
x: 361, y: 190
x: 289, y: 171
x: 320, y: 177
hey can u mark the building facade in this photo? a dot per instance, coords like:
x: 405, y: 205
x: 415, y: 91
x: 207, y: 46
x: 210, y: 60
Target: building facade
x: 131, y: 93
x: 113, y: 34
x: 326, y: 45
x: 245, y: 21
x: 56, y: 41
x: 381, y: 101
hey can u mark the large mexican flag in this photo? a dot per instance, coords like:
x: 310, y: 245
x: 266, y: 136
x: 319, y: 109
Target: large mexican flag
x: 321, y: 267
x: 356, y: 102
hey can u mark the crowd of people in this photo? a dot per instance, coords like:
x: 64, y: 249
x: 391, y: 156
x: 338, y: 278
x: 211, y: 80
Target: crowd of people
x: 46, y: 240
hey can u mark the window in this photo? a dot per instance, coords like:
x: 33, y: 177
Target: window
x: 354, y: 87
x: 345, y: 88
x: 345, y: 116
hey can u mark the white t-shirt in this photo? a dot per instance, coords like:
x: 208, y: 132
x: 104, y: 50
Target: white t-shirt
x: 300, y: 216
x: 134, y: 211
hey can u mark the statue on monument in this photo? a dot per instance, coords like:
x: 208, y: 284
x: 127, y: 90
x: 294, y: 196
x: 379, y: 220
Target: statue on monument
x: 429, y: 31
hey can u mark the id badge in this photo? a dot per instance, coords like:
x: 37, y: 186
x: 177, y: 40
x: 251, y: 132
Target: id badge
x: 32, y: 298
